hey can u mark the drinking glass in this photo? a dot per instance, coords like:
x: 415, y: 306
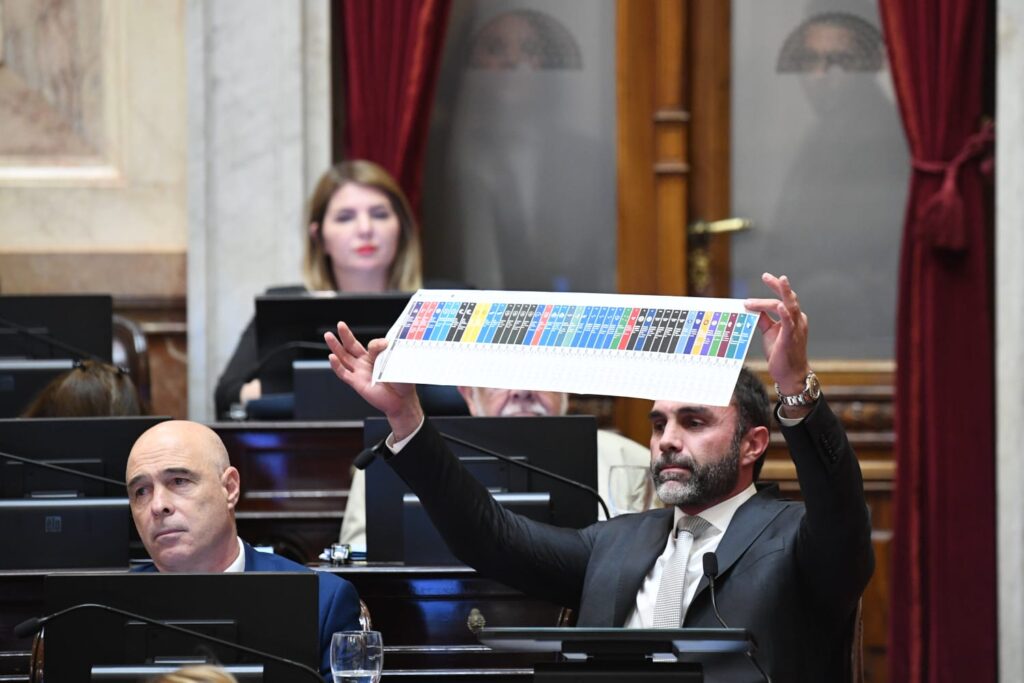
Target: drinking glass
x: 629, y: 489
x: 356, y: 656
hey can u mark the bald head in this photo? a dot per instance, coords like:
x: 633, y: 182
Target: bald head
x: 199, y: 441
x: 183, y: 492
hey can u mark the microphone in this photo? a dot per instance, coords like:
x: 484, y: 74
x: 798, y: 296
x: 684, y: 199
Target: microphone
x: 59, y: 468
x: 711, y: 572
x: 255, y: 370
x: 366, y: 456
x: 75, y: 352
x: 533, y: 468
x: 33, y: 624
x: 363, y: 460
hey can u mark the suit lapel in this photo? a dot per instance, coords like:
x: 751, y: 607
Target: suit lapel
x: 746, y: 525
x: 640, y: 554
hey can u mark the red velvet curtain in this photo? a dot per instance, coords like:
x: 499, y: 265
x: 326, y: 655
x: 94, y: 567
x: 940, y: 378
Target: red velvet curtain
x: 392, y: 54
x: 943, y: 596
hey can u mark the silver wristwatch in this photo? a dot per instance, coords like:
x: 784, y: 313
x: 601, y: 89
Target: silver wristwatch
x: 810, y: 394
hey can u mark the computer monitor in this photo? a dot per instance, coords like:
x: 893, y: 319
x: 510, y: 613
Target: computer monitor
x: 21, y: 380
x: 271, y: 612
x: 95, y: 445
x: 65, y: 533
x: 564, y: 445
x: 320, y: 395
x: 281, y: 320
x: 80, y: 321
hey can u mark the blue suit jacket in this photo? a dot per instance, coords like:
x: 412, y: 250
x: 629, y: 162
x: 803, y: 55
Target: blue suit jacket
x: 339, y: 602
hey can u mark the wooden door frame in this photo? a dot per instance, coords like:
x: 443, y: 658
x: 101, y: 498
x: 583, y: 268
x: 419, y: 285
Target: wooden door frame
x: 673, y: 117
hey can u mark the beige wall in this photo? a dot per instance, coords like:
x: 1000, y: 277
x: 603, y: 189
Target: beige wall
x: 92, y: 155
x: 1009, y: 332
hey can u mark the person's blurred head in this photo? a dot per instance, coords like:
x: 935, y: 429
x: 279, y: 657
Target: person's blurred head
x: 361, y: 230
x: 701, y: 455
x: 182, y: 491
x: 485, y: 402
x: 827, y: 51
x: 205, y: 673
x: 524, y: 39
x: 90, y: 389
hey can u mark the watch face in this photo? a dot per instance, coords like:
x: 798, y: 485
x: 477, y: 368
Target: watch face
x: 813, y: 386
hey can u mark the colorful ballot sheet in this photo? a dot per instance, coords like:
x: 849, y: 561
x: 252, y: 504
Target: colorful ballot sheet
x: 657, y: 347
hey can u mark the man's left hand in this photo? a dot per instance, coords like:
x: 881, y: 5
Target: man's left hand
x: 785, y: 339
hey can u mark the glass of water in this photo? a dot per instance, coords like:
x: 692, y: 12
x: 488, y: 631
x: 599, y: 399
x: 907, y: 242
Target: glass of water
x: 356, y: 656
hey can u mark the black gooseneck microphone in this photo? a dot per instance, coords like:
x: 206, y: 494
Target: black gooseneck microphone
x: 367, y: 455
x: 32, y: 625
x: 711, y: 572
x: 363, y: 460
x: 254, y: 370
x: 59, y: 468
x: 75, y: 352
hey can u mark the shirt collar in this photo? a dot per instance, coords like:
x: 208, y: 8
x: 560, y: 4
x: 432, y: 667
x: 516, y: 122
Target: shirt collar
x: 720, y: 514
x: 239, y: 564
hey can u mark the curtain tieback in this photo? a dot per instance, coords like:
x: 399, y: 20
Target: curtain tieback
x: 940, y: 221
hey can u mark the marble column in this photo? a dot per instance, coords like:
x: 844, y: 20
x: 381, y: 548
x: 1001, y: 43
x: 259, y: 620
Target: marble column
x: 1009, y: 333
x: 258, y: 84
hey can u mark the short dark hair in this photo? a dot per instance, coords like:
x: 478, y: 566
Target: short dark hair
x: 753, y: 408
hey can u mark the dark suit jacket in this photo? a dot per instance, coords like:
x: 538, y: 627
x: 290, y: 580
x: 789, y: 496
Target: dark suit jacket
x: 790, y: 572
x: 338, y: 601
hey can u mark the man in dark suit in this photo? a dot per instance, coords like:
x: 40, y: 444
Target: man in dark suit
x: 183, y: 491
x: 792, y: 573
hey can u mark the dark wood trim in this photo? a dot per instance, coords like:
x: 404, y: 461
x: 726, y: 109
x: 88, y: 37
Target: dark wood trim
x: 710, y: 131
x: 653, y: 167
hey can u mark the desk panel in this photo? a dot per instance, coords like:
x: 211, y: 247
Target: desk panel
x: 423, y: 612
x: 295, y: 481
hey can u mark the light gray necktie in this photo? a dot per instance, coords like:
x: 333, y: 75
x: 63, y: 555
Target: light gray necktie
x: 668, y: 608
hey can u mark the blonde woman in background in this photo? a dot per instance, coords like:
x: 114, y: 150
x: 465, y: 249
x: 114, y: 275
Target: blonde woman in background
x: 360, y: 237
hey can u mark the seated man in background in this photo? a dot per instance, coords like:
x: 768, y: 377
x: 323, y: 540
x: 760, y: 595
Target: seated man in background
x: 183, y: 491
x: 612, y: 450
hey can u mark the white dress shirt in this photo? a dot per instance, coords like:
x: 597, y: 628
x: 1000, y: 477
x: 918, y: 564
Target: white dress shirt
x: 718, y: 516
x: 239, y: 564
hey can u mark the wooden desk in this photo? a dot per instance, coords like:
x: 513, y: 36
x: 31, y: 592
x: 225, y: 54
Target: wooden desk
x: 295, y: 481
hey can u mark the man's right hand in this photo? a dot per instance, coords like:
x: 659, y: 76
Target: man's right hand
x: 353, y: 364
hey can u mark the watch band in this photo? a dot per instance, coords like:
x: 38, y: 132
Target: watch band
x: 810, y: 394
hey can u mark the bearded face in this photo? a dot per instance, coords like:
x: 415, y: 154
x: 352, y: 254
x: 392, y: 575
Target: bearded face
x: 696, y: 481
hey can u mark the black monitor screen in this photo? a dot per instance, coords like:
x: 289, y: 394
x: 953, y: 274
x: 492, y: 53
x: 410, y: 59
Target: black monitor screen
x: 563, y: 445
x: 65, y: 533
x: 281, y: 320
x: 272, y: 612
x: 81, y: 321
x: 22, y: 380
x: 95, y: 445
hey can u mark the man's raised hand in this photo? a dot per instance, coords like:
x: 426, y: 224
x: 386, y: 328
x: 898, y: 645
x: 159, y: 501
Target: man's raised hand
x: 353, y: 364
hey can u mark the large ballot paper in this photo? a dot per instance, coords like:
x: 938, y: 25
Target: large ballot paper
x: 683, y: 349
